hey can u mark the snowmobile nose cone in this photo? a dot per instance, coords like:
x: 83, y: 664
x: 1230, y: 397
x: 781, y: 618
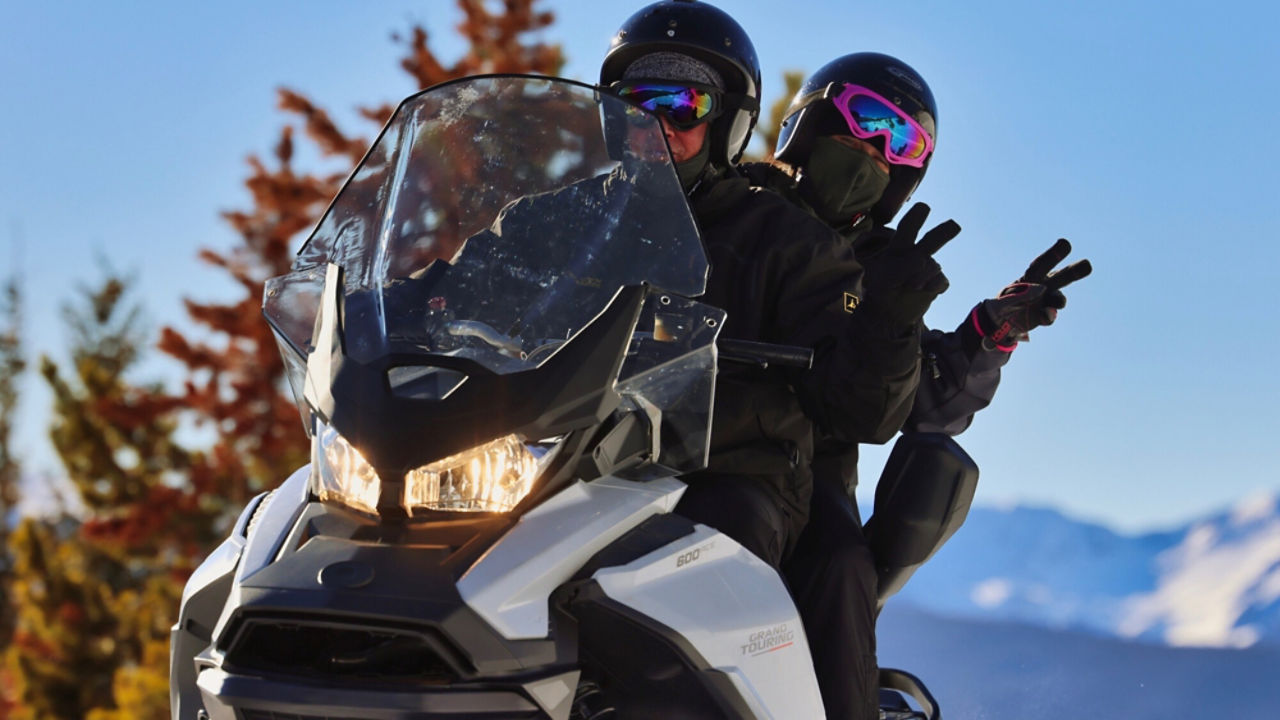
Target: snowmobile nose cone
x: 348, y: 575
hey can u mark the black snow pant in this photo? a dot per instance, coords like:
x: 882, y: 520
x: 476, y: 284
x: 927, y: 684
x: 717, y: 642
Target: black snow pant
x: 833, y: 579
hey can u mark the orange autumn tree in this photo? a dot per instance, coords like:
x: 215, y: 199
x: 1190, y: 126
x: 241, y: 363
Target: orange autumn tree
x: 236, y: 382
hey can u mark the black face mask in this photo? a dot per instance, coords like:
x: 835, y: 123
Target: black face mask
x: 841, y: 181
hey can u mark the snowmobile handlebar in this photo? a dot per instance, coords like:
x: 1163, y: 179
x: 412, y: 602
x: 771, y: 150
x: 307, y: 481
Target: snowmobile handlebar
x: 765, y: 354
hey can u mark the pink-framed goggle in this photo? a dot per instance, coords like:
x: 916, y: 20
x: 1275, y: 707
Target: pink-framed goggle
x: 869, y: 115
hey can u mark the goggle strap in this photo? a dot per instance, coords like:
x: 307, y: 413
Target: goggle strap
x: 739, y: 101
x: 614, y: 86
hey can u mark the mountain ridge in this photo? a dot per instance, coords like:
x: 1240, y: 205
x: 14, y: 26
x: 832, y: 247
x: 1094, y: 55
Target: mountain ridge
x: 1214, y: 582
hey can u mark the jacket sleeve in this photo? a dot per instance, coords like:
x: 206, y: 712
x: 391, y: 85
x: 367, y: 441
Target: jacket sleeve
x: 958, y: 378
x: 864, y: 374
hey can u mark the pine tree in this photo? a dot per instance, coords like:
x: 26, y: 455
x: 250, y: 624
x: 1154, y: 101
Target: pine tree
x: 116, y: 439
x: 12, y: 365
x: 87, y: 593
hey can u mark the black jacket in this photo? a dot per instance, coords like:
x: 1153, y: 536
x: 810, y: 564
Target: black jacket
x: 785, y: 277
x: 958, y: 376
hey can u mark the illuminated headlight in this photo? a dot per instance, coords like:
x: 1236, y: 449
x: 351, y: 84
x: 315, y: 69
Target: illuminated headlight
x: 490, y: 478
x: 493, y: 477
x: 339, y: 473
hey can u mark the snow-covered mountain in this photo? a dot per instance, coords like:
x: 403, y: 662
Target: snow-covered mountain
x: 1213, y: 583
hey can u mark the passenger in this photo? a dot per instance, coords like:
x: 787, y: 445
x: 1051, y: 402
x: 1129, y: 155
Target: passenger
x: 856, y: 142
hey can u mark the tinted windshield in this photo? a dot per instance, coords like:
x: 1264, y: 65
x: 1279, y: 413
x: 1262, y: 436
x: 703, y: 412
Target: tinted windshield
x: 493, y: 218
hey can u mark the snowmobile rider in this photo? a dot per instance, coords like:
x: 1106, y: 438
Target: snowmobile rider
x: 782, y: 275
x: 856, y: 142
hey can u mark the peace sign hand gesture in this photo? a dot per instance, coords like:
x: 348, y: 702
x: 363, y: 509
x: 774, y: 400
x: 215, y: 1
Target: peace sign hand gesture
x: 1032, y: 301
x: 902, y: 278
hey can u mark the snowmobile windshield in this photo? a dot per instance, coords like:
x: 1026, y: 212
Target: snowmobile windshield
x: 493, y: 218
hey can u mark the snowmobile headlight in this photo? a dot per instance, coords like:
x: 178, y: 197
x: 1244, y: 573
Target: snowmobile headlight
x: 341, y: 474
x: 493, y: 477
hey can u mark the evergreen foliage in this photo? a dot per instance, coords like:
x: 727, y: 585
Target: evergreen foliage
x: 12, y: 365
x: 89, y: 596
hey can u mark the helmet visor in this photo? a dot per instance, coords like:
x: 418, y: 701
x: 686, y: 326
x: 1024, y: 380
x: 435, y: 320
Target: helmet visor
x: 869, y: 114
x: 684, y: 105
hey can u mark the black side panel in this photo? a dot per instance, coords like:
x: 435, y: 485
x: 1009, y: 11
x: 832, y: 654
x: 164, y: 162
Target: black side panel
x: 646, y: 669
x: 922, y: 498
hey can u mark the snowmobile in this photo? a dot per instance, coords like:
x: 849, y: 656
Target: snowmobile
x: 492, y: 340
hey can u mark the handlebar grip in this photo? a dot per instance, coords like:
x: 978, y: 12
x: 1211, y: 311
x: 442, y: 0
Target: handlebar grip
x: 765, y: 354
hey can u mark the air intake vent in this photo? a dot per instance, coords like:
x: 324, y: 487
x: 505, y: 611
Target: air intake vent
x: 335, y: 652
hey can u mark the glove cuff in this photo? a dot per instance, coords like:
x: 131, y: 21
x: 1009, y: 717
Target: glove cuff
x: 994, y: 337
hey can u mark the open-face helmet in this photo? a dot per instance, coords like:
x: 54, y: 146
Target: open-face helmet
x: 873, y: 97
x: 701, y: 31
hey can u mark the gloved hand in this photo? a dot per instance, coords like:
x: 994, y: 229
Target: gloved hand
x: 902, y: 278
x: 1032, y: 301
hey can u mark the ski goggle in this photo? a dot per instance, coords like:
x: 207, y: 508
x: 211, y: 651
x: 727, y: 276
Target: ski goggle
x: 684, y: 105
x: 869, y: 115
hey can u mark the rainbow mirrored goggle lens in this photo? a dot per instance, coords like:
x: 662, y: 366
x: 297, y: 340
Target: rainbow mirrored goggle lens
x: 869, y: 114
x: 685, y: 105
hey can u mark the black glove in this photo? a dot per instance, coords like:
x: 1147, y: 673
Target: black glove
x: 1032, y: 301
x: 902, y: 278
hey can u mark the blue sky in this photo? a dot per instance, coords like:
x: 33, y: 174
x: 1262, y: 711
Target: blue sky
x: 1139, y: 131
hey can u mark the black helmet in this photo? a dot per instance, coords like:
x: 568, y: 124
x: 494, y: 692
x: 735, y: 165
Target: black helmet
x: 708, y: 34
x: 808, y: 117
